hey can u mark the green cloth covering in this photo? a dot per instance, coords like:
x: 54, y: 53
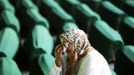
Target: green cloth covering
x: 84, y: 8
x: 6, y: 5
x: 74, y: 2
x: 8, y: 67
x: 129, y: 52
x: 88, y: 11
x: 107, y: 31
x: 9, y: 42
x: 9, y: 19
x: 69, y: 25
x: 97, y: 0
x: 42, y: 39
x: 113, y: 73
x: 37, y: 17
x: 109, y: 6
x: 28, y: 4
x: 130, y: 2
x: 46, y: 62
x: 58, y: 9
x: 129, y: 21
x: 88, y: 0
x: 105, y: 39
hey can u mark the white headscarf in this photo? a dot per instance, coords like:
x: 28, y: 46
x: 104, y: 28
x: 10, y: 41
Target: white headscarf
x: 78, y: 38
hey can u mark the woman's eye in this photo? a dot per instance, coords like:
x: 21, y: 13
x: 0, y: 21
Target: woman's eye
x: 66, y: 44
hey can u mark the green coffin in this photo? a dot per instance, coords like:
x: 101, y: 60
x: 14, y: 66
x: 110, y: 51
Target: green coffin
x: 129, y: 52
x: 9, y: 42
x: 69, y: 25
x: 8, y: 67
x: 6, y: 5
x: 42, y: 39
x: 37, y: 18
x: 9, y: 19
x: 105, y: 39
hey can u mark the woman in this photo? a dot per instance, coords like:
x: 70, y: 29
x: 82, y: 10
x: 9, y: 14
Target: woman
x: 75, y: 56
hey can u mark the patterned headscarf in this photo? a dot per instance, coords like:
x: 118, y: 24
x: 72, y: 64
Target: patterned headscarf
x: 78, y: 38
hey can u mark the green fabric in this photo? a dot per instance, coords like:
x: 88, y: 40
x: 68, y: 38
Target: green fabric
x: 74, y: 2
x: 58, y: 9
x: 8, y: 67
x: 69, y: 25
x: 129, y: 52
x: 29, y: 4
x: 7, y: 5
x: 130, y: 2
x: 107, y: 31
x: 91, y: 0
x: 11, y: 20
x: 112, y: 39
x: 88, y: 11
x: 109, y: 6
x: 9, y: 42
x: 51, y: 3
x: 97, y: 0
x: 85, y: 9
x: 46, y: 62
x: 42, y: 39
x: 37, y: 17
x: 113, y: 73
x: 129, y: 21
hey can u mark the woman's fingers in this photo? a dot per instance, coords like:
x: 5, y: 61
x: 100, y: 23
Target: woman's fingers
x: 58, y: 50
x: 58, y: 54
x: 57, y: 46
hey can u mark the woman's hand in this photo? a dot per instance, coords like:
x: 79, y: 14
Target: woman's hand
x: 58, y: 55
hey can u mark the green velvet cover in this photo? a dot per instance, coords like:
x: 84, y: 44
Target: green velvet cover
x: 8, y: 67
x: 109, y: 6
x: 130, y: 2
x: 6, y: 5
x: 42, y: 39
x: 55, y: 7
x: 37, y: 17
x: 84, y: 8
x: 28, y: 4
x: 129, y: 52
x: 9, y: 42
x: 46, y: 62
x: 9, y: 19
x: 129, y: 21
x: 69, y: 25
x: 107, y: 31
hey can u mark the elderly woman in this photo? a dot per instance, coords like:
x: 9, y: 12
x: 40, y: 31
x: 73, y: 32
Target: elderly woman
x: 75, y: 56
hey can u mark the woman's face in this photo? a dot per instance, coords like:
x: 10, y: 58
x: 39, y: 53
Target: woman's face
x: 72, y: 54
x: 68, y: 45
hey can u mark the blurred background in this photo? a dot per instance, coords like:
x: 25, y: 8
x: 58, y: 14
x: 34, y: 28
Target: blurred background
x: 30, y: 29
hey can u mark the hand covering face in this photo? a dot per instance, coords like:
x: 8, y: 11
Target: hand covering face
x: 78, y: 38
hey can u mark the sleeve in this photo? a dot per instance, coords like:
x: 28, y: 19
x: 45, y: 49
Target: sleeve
x: 85, y: 68
x: 94, y: 65
x: 55, y: 70
x: 87, y: 71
